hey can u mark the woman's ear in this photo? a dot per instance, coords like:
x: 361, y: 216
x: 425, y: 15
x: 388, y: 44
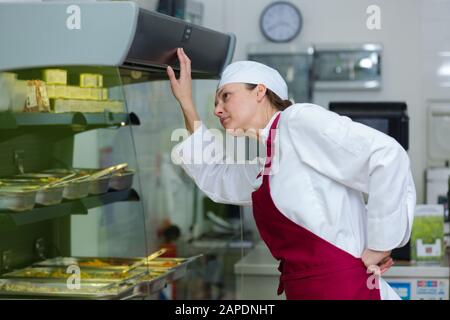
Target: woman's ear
x: 260, y: 92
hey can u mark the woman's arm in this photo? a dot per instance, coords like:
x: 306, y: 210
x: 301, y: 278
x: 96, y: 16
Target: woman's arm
x: 199, y: 154
x: 364, y: 159
x: 382, y: 259
x: 182, y: 90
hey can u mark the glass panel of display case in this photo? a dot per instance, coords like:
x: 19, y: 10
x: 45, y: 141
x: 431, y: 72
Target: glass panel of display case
x: 67, y: 221
x: 177, y: 212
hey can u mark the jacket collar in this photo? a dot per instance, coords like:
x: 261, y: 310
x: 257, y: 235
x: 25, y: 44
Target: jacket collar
x: 264, y: 133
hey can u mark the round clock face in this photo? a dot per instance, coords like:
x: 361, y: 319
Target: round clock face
x: 281, y: 22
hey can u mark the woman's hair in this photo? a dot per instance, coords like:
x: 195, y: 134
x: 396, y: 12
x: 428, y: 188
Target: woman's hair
x: 274, y: 100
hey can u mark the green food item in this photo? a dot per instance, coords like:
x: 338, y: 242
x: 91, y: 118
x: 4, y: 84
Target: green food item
x: 429, y: 229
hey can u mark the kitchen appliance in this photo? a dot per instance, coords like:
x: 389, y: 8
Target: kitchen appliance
x: 390, y: 118
x: 347, y: 66
x: 437, y: 185
x: 295, y: 64
x: 438, y: 131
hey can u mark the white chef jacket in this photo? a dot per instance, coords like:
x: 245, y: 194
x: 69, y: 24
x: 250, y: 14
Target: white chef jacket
x: 326, y: 163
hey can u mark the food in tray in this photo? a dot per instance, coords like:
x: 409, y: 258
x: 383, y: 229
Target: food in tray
x: 86, y: 106
x: 159, y: 263
x: 122, y: 180
x: 152, y: 275
x: 84, y: 262
x: 57, y: 91
x: 22, y: 192
x: 60, y: 273
x: 163, y: 263
x: 54, y: 95
x: 94, y: 263
x: 19, y: 95
x: 48, y: 179
x: 8, y: 81
x: 55, y: 76
x: 46, y: 195
x: 100, y: 178
x: 37, y: 97
x: 95, y: 94
x: 73, y: 189
x: 91, y: 80
x: 76, y: 93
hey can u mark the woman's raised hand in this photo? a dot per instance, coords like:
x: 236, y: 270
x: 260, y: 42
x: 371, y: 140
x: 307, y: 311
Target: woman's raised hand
x: 182, y: 90
x: 182, y: 87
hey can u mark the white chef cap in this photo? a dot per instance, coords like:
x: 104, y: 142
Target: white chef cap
x: 255, y: 73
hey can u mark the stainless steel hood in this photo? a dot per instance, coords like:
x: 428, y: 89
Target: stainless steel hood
x: 107, y: 33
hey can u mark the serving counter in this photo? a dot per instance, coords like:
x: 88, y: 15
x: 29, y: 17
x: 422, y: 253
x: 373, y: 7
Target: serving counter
x: 257, y: 277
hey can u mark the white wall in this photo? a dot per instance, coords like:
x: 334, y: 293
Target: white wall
x: 412, y: 32
x: 436, y: 56
x: 147, y: 4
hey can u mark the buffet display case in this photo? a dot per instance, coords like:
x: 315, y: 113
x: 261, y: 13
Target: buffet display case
x: 73, y: 217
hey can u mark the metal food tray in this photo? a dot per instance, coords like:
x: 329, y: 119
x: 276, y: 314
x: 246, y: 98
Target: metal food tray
x: 97, y: 186
x: 147, y: 287
x: 138, y: 286
x: 120, y: 263
x: 87, y: 274
x: 67, y: 261
x: 45, y: 288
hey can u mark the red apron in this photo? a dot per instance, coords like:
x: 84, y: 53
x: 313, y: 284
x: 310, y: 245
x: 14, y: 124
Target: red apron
x: 311, y: 268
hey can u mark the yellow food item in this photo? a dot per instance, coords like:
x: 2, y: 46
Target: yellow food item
x: 51, y: 91
x: 165, y: 264
x: 96, y: 93
x: 104, y: 94
x: 37, y: 97
x: 73, y: 105
x: 60, y: 91
x: 62, y: 274
x: 55, y: 76
x: 94, y: 263
x: 91, y: 80
x: 48, y: 179
x: 78, y: 93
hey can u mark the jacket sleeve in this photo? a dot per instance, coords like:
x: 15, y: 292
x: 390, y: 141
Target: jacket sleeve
x: 364, y: 159
x: 202, y: 158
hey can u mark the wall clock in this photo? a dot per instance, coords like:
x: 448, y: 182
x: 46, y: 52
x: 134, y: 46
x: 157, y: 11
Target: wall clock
x: 281, y: 21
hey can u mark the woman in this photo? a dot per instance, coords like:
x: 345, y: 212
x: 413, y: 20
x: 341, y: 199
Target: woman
x: 307, y: 198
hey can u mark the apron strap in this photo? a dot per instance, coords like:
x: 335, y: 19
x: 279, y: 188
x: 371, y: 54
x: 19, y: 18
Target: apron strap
x: 280, y: 281
x: 269, y: 143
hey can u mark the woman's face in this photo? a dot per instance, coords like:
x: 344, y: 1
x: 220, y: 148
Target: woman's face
x: 236, y: 106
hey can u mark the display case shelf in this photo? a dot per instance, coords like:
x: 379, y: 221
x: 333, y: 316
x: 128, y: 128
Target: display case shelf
x: 76, y: 121
x: 68, y: 207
